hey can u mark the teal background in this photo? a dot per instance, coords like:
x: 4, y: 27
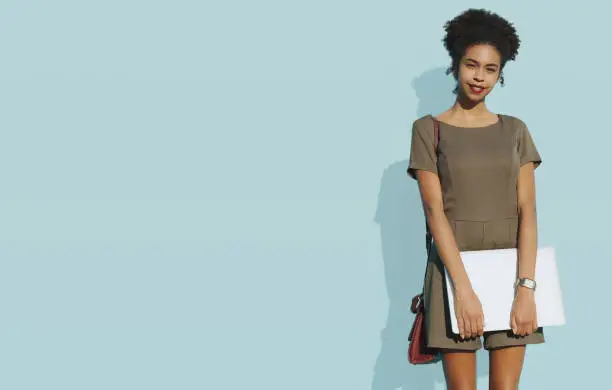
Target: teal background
x: 212, y: 195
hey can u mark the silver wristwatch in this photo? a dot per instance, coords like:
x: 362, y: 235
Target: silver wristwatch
x: 526, y: 282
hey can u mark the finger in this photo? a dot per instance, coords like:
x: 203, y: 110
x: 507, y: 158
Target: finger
x: 468, y: 328
x: 461, y: 327
x: 513, y: 324
x: 475, y: 327
x: 481, y: 325
x: 528, y: 328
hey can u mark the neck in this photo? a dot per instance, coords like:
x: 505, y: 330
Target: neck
x: 469, y: 109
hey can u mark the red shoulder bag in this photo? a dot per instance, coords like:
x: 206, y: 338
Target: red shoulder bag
x: 418, y: 352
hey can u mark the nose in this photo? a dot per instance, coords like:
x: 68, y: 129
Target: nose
x: 479, y: 74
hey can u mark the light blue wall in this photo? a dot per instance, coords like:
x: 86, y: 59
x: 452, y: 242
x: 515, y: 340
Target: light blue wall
x: 212, y: 195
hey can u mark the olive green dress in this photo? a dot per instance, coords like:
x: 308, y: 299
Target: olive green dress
x: 478, y: 170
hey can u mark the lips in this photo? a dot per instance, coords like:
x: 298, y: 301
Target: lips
x: 475, y: 89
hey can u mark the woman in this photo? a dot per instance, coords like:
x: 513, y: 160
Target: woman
x: 477, y: 186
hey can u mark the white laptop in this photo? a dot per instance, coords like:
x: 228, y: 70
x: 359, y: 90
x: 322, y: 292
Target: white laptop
x: 492, y: 274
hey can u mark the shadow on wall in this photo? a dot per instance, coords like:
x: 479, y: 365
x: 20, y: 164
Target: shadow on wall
x: 402, y: 228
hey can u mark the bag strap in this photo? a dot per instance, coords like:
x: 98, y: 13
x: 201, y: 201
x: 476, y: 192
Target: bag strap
x: 436, y: 135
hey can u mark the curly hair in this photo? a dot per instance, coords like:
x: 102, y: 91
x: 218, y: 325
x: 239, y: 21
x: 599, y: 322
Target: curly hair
x: 478, y: 26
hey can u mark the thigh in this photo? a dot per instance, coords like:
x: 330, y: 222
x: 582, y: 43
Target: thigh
x: 505, y: 366
x: 459, y: 369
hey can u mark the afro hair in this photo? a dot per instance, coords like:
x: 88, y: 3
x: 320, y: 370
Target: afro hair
x: 478, y: 26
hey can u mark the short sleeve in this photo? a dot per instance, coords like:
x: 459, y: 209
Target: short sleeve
x: 422, y: 154
x: 526, y: 147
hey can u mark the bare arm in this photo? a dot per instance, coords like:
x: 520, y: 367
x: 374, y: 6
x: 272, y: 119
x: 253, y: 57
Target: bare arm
x: 523, y: 318
x: 431, y: 196
x: 528, y: 228
x: 468, y: 309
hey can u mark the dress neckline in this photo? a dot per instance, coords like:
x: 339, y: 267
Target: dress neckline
x: 499, y: 119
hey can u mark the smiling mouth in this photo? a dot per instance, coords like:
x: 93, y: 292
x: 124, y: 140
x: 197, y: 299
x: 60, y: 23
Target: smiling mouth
x: 475, y: 89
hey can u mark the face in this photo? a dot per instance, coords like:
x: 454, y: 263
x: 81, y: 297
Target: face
x: 479, y: 71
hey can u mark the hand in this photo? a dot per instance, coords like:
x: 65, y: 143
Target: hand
x: 523, y: 318
x: 468, y: 310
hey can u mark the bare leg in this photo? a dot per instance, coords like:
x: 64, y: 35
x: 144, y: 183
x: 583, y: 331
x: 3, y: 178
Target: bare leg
x: 459, y: 369
x: 505, y: 366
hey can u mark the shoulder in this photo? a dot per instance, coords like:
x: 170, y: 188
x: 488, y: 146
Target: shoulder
x: 516, y: 122
x: 422, y: 125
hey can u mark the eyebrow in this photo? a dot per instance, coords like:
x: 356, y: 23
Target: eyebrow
x: 473, y: 60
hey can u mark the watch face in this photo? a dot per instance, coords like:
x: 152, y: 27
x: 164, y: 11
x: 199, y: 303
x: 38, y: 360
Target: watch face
x: 527, y: 283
